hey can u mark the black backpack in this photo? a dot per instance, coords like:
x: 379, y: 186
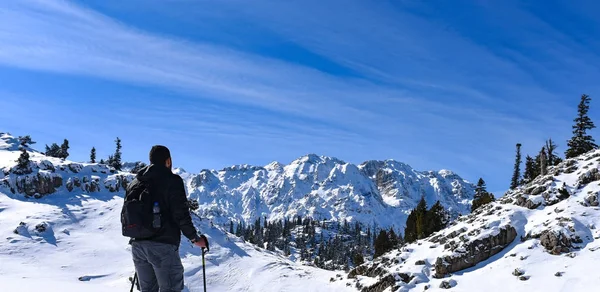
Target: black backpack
x: 137, y: 214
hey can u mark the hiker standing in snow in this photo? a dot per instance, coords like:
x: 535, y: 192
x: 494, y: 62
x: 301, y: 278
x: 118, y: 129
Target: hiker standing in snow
x: 154, y: 215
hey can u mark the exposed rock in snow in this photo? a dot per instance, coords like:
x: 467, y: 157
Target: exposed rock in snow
x: 471, y: 253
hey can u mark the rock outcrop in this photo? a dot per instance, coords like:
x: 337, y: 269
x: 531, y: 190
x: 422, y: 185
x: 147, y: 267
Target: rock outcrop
x: 36, y: 184
x: 475, y: 252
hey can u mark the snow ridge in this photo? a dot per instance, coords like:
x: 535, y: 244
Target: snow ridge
x: 326, y: 188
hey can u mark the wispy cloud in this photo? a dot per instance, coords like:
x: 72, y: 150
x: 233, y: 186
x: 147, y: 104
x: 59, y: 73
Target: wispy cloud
x: 428, y: 86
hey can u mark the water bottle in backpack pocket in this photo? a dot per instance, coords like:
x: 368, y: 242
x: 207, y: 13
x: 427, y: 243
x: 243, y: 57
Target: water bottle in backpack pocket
x: 140, y: 215
x: 156, y: 216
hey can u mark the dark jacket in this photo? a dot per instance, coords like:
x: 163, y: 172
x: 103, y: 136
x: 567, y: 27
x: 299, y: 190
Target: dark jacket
x: 172, y: 199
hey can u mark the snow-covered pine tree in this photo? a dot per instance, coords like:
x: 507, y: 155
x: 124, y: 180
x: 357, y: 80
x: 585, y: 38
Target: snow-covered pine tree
x: 53, y: 150
x: 23, y: 162
x: 581, y: 142
x: 25, y: 141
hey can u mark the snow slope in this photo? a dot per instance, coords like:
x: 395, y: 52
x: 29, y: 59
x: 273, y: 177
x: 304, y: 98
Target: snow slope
x: 81, y: 248
x: 375, y: 192
x: 544, y: 231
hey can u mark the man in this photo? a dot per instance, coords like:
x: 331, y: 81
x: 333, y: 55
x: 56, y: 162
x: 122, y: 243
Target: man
x: 156, y: 260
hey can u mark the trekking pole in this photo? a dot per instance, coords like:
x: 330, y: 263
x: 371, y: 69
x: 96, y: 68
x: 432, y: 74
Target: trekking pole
x: 204, y: 269
x: 133, y: 281
x: 204, y: 251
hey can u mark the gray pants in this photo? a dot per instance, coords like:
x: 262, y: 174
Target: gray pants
x: 158, y: 266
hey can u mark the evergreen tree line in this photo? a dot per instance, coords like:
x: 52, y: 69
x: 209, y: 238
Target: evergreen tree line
x: 580, y: 143
x: 335, y: 246
x: 422, y: 222
x: 62, y: 152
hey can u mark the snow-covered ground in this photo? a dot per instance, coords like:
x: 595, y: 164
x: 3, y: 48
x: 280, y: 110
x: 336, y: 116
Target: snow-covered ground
x: 83, y: 240
x: 82, y: 249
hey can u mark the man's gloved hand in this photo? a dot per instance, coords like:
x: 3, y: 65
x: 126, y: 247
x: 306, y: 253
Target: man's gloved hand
x: 201, y: 241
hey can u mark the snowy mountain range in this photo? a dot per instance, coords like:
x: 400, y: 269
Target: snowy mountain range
x: 59, y: 224
x: 380, y: 193
x: 325, y: 188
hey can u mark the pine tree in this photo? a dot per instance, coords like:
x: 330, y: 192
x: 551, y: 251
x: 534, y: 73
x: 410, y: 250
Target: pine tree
x: 25, y: 141
x: 543, y: 161
x: 231, y: 227
x: 115, y: 162
x: 238, y: 230
x: 553, y: 159
x: 421, y: 218
x: 382, y: 244
x: 93, y: 155
x: 357, y: 258
x: 581, y: 142
x: 410, y: 231
x: 102, y: 161
x: 437, y: 218
x: 517, y: 171
x: 23, y: 161
x: 530, y: 170
x: 482, y: 197
x: 53, y: 150
x: 393, y: 238
x: 64, y: 150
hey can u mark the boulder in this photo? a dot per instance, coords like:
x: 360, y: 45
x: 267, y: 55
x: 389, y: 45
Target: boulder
x: 447, y: 284
x: 364, y: 270
x: 75, y: 167
x: 588, y: 177
x: 518, y: 272
x: 41, y: 228
x: 592, y: 200
x: 405, y: 277
x: 555, y: 242
x: 381, y: 285
x: 475, y: 252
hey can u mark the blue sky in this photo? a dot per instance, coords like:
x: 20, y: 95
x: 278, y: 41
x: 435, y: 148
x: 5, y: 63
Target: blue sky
x: 436, y: 84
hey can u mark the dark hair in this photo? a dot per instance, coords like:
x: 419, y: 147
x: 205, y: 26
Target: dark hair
x: 159, y: 154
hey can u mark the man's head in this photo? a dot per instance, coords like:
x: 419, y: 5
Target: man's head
x: 160, y: 155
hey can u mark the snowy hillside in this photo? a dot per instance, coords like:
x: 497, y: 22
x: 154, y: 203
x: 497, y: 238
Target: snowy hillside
x: 540, y: 237
x: 60, y: 230
x: 375, y: 192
